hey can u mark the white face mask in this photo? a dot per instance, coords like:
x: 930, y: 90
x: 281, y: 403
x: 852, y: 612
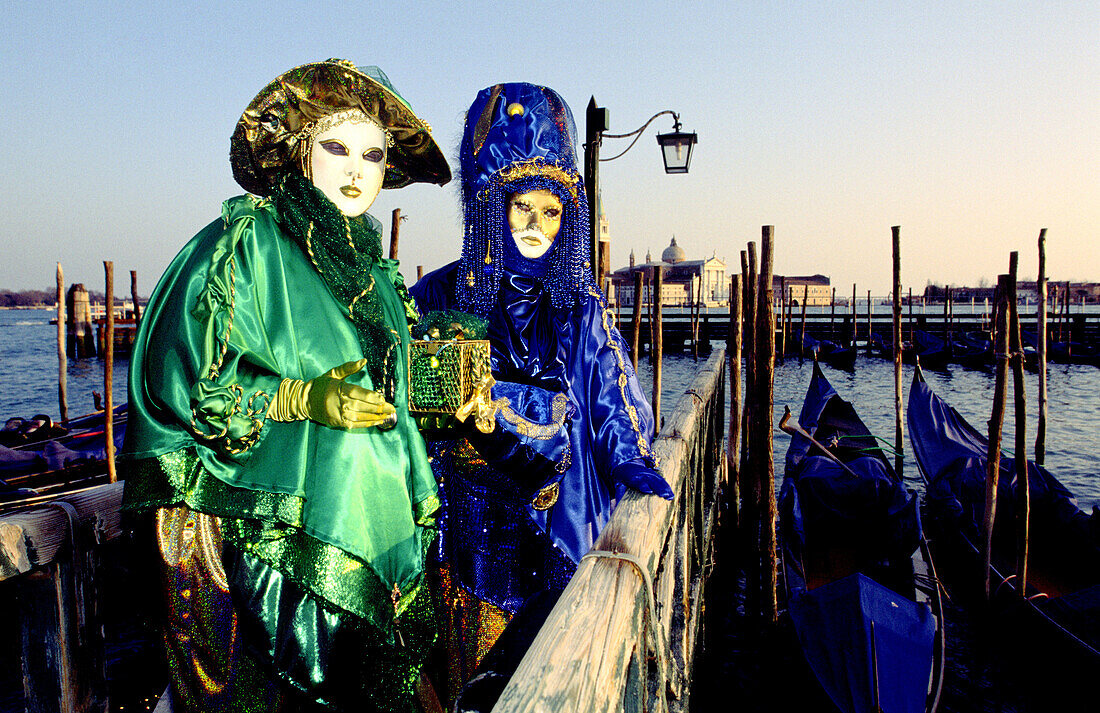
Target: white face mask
x: 535, y: 219
x: 348, y: 162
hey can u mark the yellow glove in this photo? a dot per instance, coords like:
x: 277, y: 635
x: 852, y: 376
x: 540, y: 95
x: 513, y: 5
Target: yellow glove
x: 331, y: 402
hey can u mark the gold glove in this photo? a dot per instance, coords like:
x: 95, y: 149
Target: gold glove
x: 330, y: 401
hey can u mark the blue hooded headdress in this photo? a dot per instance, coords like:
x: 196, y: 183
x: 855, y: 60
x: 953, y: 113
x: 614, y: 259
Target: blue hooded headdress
x: 520, y: 137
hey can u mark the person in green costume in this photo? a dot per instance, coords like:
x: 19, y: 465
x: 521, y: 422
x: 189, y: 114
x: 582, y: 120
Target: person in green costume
x: 269, y: 431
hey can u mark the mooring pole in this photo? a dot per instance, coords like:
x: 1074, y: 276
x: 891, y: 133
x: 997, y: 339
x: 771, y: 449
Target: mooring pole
x: 109, y: 368
x: 802, y: 344
x: 855, y: 332
x: 733, y: 449
x: 62, y: 357
x: 911, y: 338
x: 870, y: 326
x: 1041, y: 350
x: 1019, y: 396
x: 996, y: 423
x: 658, y: 347
x: 395, y: 232
x: 765, y: 381
x: 899, y: 417
x: 749, y: 469
x: 832, y: 315
x: 781, y: 352
x: 636, y: 320
x: 134, y: 297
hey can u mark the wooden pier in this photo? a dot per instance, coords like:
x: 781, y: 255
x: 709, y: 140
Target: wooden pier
x: 713, y: 325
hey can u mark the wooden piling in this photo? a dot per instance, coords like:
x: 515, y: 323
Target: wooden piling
x: 802, y: 342
x: 109, y: 368
x: 658, y: 347
x: 693, y: 303
x: 950, y: 315
x: 899, y: 461
x: 1023, y: 499
x: 395, y: 232
x: 636, y: 319
x: 750, y: 523
x: 81, y: 337
x: 996, y: 423
x: 911, y: 325
x: 62, y: 357
x: 854, y: 317
x: 419, y: 272
x: 832, y: 316
x: 733, y: 442
x: 765, y: 380
x: 653, y: 299
x: 870, y: 327
x: 781, y: 353
x: 134, y: 297
x: 1041, y: 349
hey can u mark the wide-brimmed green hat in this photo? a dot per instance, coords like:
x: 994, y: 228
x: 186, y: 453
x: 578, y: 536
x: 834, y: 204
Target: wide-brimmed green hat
x: 265, y: 142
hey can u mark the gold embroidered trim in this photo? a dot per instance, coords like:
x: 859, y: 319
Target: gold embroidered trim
x: 539, y: 167
x: 632, y: 412
x: 531, y: 429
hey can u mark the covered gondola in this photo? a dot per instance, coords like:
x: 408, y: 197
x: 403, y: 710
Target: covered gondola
x: 1060, y: 610
x: 857, y: 570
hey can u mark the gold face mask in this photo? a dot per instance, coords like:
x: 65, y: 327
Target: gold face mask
x: 534, y: 219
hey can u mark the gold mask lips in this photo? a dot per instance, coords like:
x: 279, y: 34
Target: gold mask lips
x: 351, y: 191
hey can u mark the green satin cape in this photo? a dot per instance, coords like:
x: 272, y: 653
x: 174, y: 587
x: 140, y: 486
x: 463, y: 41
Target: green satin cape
x: 347, y: 514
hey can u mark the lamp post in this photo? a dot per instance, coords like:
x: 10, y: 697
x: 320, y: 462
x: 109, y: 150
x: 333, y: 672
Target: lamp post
x: 676, y: 149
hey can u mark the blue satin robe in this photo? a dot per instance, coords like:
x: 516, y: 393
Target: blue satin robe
x: 578, y: 352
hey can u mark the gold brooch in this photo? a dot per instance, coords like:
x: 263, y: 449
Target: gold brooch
x: 546, y: 497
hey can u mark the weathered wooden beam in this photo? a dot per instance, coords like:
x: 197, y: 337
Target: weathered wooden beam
x: 50, y: 551
x: 32, y: 537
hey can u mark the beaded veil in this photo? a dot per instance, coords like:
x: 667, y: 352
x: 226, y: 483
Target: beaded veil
x: 520, y: 137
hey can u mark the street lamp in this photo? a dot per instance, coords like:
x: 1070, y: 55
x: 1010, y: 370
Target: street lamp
x: 675, y: 151
x: 676, y: 148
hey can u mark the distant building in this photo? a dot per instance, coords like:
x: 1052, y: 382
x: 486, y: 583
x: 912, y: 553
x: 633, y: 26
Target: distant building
x: 816, y: 288
x: 680, y: 274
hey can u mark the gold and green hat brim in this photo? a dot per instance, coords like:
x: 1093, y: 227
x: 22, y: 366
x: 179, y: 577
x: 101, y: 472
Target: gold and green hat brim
x: 265, y: 142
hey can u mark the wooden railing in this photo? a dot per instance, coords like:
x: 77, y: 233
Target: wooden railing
x: 50, y: 551
x: 622, y: 636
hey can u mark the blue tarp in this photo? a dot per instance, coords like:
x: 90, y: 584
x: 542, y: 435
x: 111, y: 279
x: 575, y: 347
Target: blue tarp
x: 84, y: 443
x: 834, y: 627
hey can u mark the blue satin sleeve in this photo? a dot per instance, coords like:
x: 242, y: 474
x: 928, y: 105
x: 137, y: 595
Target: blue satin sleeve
x: 530, y: 441
x: 621, y: 421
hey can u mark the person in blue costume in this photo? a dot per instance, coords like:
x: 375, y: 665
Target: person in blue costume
x: 523, y: 503
x: 268, y: 429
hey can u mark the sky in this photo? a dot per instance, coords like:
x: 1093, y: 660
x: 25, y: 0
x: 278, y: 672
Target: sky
x: 972, y: 125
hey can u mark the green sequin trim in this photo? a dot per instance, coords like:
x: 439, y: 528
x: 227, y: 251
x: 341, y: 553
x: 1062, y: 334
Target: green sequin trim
x: 266, y: 526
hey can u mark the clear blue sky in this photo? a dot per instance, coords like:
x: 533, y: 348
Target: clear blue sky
x: 970, y: 125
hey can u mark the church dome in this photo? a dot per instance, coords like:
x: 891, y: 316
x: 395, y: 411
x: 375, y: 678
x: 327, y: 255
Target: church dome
x: 673, y: 253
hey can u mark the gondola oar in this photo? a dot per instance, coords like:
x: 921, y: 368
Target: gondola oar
x: 787, y: 427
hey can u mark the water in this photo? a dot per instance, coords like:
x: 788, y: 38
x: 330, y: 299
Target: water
x: 29, y: 373
x: 1073, y: 418
x: 28, y: 386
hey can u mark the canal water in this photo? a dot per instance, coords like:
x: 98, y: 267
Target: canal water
x: 28, y: 386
